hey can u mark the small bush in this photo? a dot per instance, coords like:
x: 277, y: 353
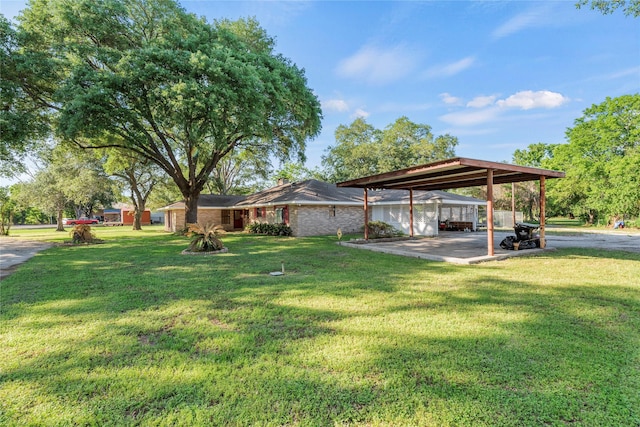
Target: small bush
x: 269, y: 229
x: 205, y: 238
x: 82, y: 234
x: 380, y: 230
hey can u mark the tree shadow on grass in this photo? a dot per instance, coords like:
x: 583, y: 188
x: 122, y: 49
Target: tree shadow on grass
x: 528, y: 355
x: 125, y: 338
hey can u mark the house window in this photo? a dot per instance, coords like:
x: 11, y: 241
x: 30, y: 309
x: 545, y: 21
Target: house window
x: 332, y: 210
x: 261, y: 212
x: 282, y: 215
x: 226, y: 216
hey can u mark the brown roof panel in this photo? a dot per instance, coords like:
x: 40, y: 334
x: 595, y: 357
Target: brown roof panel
x: 458, y: 172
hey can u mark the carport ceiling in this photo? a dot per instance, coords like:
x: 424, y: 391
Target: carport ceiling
x: 458, y: 172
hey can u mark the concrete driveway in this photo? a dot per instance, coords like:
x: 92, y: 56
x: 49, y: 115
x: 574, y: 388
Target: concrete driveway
x: 14, y: 252
x: 470, y: 248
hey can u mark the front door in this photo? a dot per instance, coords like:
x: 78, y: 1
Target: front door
x: 237, y: 219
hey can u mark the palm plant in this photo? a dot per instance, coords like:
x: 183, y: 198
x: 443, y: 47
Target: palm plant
x: 205, y: 238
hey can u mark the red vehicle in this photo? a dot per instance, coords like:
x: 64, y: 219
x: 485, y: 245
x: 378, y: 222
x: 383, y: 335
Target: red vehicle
x: 81, y: 220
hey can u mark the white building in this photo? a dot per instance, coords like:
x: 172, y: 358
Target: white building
x: 432, y: 211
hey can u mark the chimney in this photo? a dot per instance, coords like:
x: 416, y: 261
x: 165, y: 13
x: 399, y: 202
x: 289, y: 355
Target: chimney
x: 282, y: 181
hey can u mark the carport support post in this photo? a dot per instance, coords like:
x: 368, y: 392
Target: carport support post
x: 366, y: 215
x: 513, y: 203
x: 543, y: 202
x: 411, y: 212
x: 490, y: 212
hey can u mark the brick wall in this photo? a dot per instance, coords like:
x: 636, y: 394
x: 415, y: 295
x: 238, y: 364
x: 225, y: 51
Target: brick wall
x: 320, y: 220
x: 303, y: 220
x: 174, y: 219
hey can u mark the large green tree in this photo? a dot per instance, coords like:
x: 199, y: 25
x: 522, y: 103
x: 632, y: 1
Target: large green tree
x: 354, y: 153
x: 138, y: 175
x: 601, y: 160
x: 240, y: 173
x: 145, y: 76
x: 23, y: 119
x: 362, y: 150
x: 527, y: 194
x: 69, y: 180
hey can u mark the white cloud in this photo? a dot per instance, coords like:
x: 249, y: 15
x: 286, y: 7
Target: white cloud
x: 377, y: 65
x: 481, y: 101
x: 526, y: 100
x: 449, y: 99
x: 470, y: 118
x: 451, y: 69
x: 360, y: 113
x: 531, y: 18
x: 335, y: 105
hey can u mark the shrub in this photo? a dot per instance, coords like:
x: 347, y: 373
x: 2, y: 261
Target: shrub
x: 269, y: 229
x: 82, y: 233
x: 205, y: 238
x: 380, y: 230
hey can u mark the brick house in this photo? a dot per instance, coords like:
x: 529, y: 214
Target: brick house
x: 310, y: 208
x: 314, y: 208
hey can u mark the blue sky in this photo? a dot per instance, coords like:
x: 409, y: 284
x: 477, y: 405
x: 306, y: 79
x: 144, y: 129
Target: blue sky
x: 498, y: 75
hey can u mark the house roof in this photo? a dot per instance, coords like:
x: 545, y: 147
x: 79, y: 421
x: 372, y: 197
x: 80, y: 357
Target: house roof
x: 458, y: 172
x: 309, y: 192
x: 208, y: 201
x: 314, y: 192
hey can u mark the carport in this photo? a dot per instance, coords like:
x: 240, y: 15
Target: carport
x: 458, y: 172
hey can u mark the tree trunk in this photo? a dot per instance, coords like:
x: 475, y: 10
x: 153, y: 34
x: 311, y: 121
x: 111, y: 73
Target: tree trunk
x: 137, y: 216
x: 137, y: 212
x: 5, y: 231
x: 60, y: 225
x: 191, y: 209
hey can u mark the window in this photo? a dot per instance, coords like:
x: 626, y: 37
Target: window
x: 282, y: 215
x: 226, y: 217
x: 261, y: 212
x: 332, y: 210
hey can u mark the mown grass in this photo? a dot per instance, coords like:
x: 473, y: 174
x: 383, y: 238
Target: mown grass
x: 130, y: 332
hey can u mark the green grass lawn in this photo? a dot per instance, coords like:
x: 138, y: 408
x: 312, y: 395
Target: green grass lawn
x: 131, y: 332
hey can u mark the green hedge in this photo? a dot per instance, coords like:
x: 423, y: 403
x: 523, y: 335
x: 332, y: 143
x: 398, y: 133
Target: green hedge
x: 381, y: 230
x: 269, y: 229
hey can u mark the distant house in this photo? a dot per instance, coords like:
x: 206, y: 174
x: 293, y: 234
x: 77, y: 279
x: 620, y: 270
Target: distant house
x: 123, y: 215
x: 313, y: 208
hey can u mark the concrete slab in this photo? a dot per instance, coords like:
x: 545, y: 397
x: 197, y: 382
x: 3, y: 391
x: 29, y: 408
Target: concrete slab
x: 14, y: 252
x: 471, y: 248
x: 454, y: 247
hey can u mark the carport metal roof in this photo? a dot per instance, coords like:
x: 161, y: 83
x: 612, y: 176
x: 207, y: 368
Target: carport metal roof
x: 457, y: 172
